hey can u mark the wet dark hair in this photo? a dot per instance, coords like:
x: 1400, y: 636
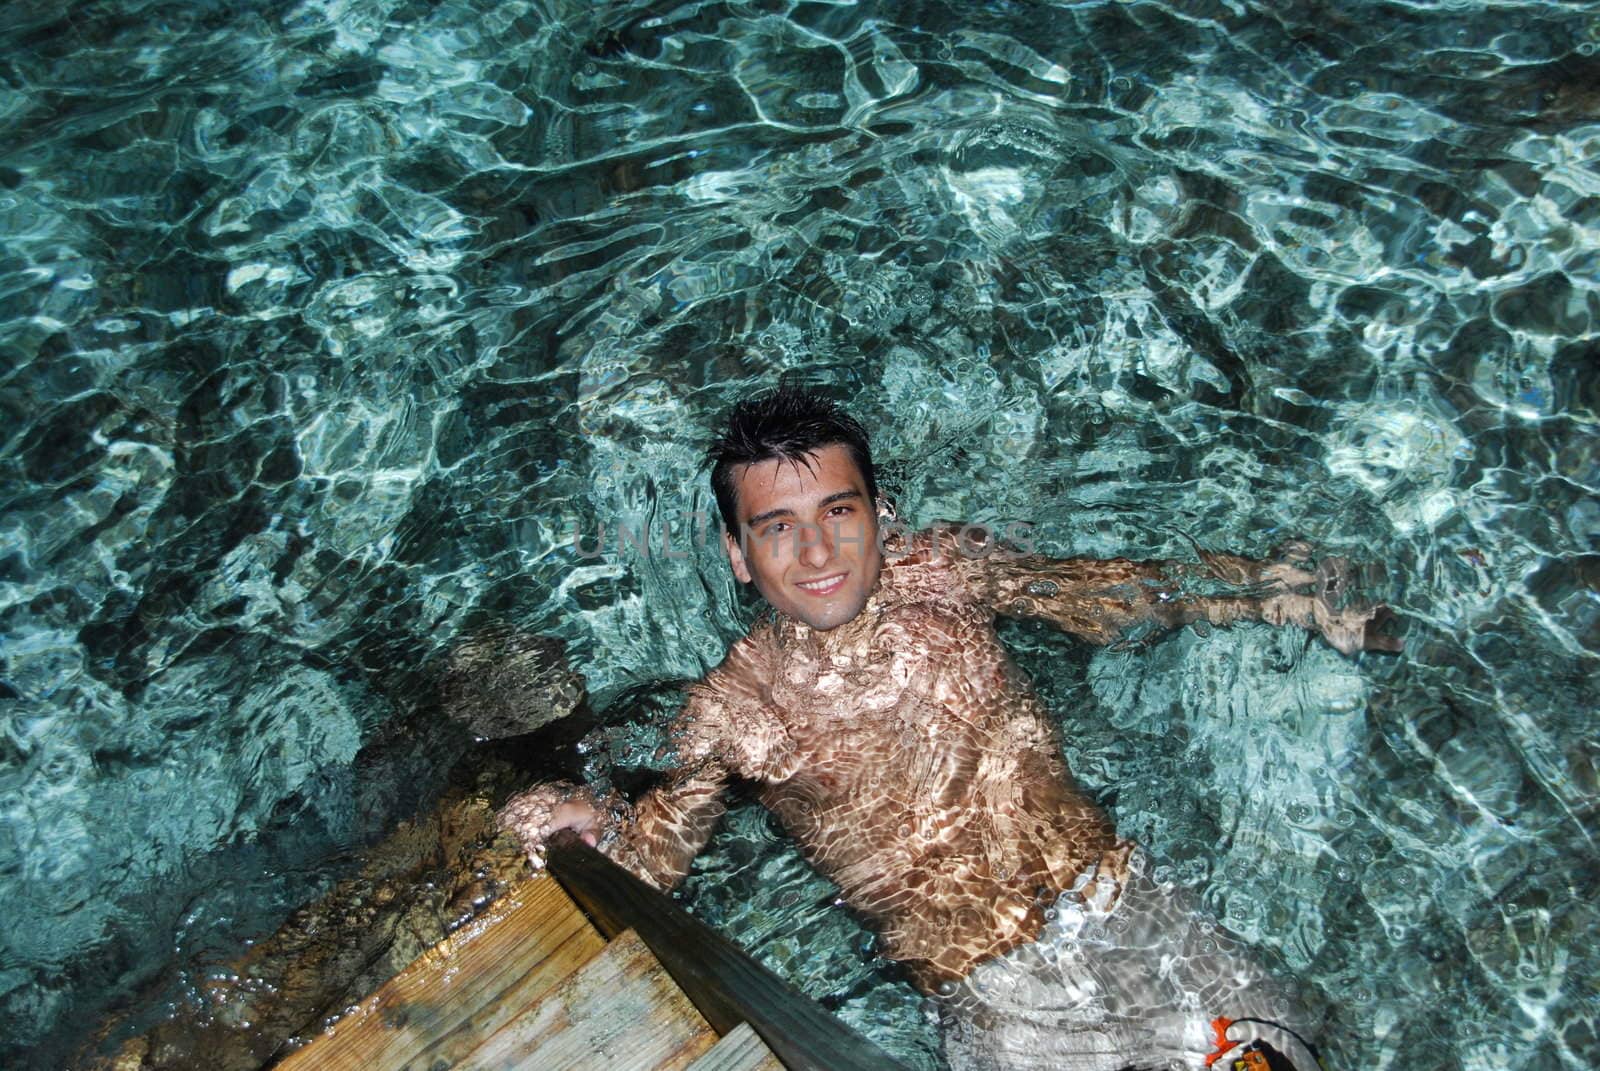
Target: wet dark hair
x: 788, y: 423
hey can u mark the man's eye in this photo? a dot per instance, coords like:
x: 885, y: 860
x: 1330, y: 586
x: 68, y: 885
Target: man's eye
x: 778, y: 526
x: 841, y: 511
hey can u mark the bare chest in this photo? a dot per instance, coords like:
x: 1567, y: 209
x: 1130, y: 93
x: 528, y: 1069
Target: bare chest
x: 905, y: 707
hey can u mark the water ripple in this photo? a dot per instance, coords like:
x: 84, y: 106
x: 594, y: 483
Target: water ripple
x: 327, y: 324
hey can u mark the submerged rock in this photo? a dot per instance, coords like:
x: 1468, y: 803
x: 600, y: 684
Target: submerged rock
x: 429, y: 877
x: 500, y: 682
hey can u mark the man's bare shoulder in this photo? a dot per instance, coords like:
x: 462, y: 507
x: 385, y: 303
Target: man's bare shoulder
x: 727, y: 715
x: 935, y: 564
x: 745, y: 670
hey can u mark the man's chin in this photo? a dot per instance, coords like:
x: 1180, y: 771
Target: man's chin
x: 818, y: 615
x: 830, y: 618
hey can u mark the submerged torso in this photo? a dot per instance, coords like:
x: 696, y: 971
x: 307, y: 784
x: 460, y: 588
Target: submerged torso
x: 914, y: 765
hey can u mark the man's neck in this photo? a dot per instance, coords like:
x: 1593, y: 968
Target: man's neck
x: 841, y: 639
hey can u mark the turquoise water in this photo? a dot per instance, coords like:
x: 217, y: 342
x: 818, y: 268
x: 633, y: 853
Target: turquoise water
x: 327, y: 325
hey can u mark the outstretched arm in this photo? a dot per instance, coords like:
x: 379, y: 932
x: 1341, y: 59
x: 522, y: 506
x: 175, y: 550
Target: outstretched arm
x: 1119, y: 599
x: 658, y: 837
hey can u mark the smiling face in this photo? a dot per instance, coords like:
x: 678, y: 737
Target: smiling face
x: 809, y: 535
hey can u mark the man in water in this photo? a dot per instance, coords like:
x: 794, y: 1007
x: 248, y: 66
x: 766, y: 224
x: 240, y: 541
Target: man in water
x: 875, y: 712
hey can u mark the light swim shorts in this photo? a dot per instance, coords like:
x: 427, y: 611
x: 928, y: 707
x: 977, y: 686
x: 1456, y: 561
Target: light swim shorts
x: 1115, y: 980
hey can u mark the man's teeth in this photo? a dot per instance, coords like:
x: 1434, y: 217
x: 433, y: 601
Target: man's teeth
x: 819, y: 585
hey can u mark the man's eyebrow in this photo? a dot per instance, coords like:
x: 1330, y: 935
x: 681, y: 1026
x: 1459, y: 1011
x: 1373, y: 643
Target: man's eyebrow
x: 837, y: 496
x: 762, y: 518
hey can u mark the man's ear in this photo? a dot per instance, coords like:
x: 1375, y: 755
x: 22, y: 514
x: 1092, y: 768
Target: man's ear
x: 741, y: 569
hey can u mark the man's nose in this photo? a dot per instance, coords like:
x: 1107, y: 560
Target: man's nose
x: 816, y: 546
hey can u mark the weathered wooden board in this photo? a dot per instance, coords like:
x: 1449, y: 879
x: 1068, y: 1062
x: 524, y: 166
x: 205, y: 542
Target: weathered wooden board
x: 619, y: 1012
x: 463, y: 989
x: 723, y: 982
x: 739, y: 1050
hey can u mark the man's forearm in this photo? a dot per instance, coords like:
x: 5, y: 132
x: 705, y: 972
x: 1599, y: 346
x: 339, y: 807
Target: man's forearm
x: 669, y: 826
x: 1101, y: 601
x: 1119, y: 599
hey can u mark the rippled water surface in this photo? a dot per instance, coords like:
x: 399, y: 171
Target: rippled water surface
x: 327, y: 324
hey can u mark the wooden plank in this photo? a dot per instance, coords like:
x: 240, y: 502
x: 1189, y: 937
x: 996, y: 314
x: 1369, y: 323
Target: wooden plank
x: 470, y: 984
x: 618, y: 1011
x: 719, y: 977
x: 739, y: 1050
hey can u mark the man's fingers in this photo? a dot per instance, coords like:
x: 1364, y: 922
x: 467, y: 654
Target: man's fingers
x: 1374, y: 640
x: 1333, y: 579
x: 1293, y: 551
x: 1350, y: 631
x: 538, y: 815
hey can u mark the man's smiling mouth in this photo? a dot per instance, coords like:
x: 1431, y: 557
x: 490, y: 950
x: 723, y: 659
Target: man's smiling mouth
x: 825, y: 586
